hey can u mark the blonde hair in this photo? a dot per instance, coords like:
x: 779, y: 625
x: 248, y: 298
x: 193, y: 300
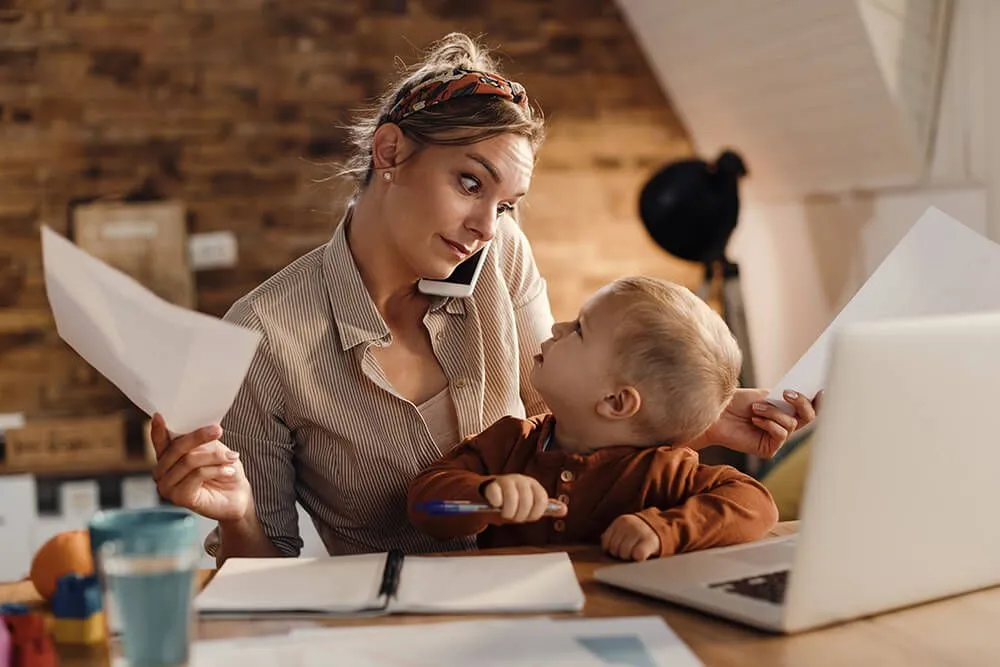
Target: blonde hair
x: 678, y: 353
x: 457, y: 122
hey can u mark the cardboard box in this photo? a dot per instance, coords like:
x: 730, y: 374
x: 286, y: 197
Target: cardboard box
x: 146, y: 240
x: 61, y: 442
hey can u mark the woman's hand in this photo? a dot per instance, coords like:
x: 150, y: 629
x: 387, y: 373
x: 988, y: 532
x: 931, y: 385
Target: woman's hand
x: 200, y: 473
x: 754, y: 426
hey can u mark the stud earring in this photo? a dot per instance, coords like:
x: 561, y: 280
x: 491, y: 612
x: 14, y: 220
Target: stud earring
x: 386, y: 175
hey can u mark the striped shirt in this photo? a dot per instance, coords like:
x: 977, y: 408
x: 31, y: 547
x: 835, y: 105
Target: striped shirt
x: 315, y: 420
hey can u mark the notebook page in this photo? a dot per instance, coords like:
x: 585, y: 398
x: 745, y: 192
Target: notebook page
x: 296, y: 585
x: 521, y: 583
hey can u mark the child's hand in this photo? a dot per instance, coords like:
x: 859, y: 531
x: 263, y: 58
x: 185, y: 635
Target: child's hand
x: 630, y: 538
x: 521, y: 499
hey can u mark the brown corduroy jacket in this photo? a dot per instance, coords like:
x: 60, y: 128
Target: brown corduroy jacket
x: 689, y: 505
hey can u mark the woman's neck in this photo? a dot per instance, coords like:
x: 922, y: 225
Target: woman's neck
x: 385, y: 275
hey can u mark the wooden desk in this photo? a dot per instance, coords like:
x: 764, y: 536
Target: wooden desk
x: 959, y: 631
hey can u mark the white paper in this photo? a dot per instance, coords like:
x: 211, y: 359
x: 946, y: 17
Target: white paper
x: 628, y: 641
x: 271, y: 585
x: 529, y: 642
x: 184, y: 364
x: 528, y: 582
x: 631, y: 641
x: 940, y: 267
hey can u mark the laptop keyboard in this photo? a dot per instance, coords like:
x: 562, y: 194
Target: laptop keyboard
x: 768, y: 587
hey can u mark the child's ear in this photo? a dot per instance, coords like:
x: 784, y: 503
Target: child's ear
x: 622, y: 404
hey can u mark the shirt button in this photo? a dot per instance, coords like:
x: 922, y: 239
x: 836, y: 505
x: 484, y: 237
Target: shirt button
x: 563, y: 498
x: 439, y: 336
x: 559, y: 525
x: 566, y: 476
x: 460, y: 382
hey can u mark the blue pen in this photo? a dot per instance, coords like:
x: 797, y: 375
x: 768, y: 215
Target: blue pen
x: 442, y: 507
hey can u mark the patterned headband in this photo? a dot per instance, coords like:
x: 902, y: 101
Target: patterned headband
x: 453, y: 84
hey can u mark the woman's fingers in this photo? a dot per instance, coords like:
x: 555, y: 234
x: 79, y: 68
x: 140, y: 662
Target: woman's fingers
x: 778, y: 433
x: 805, y: 411
x: 209, y: 454
x: 770, y: 412
x: 180, y: 446
x: 158, y: 434
x: 185, y: 492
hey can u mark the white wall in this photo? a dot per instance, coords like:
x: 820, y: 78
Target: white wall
x: 802, y: 260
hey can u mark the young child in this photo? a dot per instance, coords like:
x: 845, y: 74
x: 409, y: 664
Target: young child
x: 646, y: 367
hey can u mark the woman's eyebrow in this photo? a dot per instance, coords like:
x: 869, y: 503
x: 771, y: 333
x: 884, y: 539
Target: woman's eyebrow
x: 491, y: 169
x: 487, y: 165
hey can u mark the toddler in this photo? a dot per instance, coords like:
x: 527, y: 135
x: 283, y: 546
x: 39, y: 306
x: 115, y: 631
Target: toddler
x: 646, y: 367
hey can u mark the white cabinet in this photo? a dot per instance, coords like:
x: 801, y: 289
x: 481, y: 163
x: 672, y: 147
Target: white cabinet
x: 17, y: 521
x: 23, y: 530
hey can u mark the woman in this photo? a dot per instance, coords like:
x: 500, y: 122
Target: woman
x: 360, y: 380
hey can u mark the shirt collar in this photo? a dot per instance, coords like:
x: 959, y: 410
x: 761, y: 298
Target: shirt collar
x: 358, y: 320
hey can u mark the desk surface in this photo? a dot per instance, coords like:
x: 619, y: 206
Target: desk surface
x: 958, y: 631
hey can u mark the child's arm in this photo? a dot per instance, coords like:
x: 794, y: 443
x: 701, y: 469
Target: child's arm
x: 461, y: 475
x: 709, y: 506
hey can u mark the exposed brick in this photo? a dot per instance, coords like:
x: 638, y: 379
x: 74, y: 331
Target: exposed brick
x: 237, y: 107
x: 118, y: 64
x: 18, y: 59
x: 398, y: 7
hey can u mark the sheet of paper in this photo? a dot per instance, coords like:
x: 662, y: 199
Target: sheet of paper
x: 335, y: 584
x: 940, y: 267
x: 184, y: 364
x: 532, y: 582
x: 630, y: 641
x: 484, y: 643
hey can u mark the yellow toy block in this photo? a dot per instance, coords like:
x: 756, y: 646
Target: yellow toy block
x: 90, y: 630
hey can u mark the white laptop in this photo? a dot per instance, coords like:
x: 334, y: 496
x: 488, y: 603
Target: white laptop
x: 901, y: 497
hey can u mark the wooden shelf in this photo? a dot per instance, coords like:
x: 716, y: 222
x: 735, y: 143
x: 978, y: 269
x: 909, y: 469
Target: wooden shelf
x: 22, y: 320
x: 125, y: 466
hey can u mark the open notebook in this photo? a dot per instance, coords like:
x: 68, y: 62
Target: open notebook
x: 392, y: 583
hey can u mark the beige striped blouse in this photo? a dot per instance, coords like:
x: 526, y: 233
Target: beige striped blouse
x: 316, y: 421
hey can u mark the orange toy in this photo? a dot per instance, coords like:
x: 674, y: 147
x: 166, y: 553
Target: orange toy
x: 64, y: 553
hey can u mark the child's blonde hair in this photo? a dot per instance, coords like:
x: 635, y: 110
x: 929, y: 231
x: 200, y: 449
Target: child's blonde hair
x: 678, y: 353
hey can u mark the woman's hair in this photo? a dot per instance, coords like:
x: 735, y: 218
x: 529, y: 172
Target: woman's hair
x: 456, y: 122
x: 680, y: 355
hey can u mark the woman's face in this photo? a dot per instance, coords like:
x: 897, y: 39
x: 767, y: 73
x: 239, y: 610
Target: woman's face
x: 443, y: 204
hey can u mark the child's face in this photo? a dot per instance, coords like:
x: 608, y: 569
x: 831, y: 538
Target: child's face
x: 573, y: 372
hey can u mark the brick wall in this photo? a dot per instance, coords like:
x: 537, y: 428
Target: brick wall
x: 233, y: 106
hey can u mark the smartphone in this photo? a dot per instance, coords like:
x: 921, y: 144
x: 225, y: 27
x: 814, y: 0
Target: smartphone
x: 462, y: 280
